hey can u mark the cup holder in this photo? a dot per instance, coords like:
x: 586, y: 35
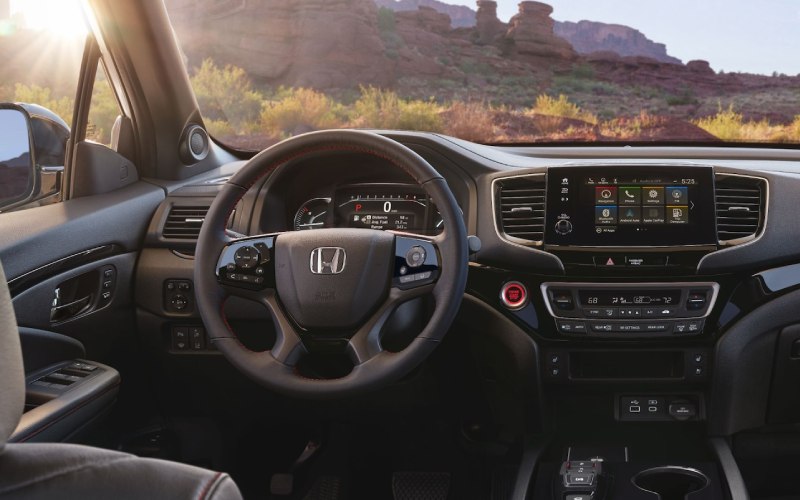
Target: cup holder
x: 670, y: 482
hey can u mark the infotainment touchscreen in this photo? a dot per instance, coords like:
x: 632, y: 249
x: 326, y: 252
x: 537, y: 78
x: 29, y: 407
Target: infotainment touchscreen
x: 630, y: 206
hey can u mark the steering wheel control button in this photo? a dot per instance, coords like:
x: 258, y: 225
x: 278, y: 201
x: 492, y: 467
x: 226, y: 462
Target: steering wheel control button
x: 246, y: 257
x: 263, y: 253
x: 415, y: 257
x: 514, y: 295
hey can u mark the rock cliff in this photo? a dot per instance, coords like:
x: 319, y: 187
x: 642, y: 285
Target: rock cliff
x: 589, y: 36
x: 460, y: 15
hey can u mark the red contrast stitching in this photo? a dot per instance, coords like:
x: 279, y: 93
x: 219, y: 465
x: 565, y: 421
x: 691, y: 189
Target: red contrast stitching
x: 204, y: 492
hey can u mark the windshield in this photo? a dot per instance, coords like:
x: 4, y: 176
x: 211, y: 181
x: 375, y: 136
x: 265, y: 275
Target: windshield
x: 583, y: 71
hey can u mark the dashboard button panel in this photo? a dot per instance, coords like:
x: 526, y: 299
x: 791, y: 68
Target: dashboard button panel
x: 630, y: 310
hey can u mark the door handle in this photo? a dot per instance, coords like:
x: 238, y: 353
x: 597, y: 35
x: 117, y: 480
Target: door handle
x: 66, y: 311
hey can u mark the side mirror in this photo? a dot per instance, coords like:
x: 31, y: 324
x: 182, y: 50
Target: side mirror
x: 18, y: 173
x: 48, y: 135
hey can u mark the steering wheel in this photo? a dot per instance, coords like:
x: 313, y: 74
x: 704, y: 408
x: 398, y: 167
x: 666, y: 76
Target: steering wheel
x: 333, y: 284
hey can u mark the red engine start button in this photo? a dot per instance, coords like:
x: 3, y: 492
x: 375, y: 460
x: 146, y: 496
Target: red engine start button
x: 514, y: 295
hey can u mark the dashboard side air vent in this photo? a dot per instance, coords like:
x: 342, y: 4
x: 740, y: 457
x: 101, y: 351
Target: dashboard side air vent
x: 521, y: 205
x: 184, y: 222
x: 741, y: 208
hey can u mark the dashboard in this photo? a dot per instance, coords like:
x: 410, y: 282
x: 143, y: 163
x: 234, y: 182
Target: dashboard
x: 640, y: 265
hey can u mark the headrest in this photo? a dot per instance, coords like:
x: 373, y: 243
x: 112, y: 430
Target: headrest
x: 12, y: 374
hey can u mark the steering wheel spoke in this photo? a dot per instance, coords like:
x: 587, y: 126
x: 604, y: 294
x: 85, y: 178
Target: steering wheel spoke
x: 365, y: 344
x: 288, y: 347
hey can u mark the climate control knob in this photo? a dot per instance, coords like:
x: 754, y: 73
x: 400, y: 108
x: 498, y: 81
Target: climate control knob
x: 563, y: 227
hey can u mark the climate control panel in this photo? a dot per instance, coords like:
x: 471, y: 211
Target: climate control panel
x: 630, y: 310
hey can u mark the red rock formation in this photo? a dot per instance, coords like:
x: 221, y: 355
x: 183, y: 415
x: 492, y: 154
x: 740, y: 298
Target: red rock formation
x: 589, y: 36
x: 489, y: 27
x: 316, y: 43
x: 460, y: 16
x: 532, y: 33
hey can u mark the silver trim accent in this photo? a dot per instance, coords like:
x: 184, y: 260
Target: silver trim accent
x: 622, y: 286
x: 335, y: 264
x: 763, y: 225
x: 671, y: 468
x: 729, y: 245
x: 509, y: 306
x: 502, y: 234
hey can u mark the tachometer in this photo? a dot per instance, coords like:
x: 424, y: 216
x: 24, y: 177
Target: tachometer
x: 312, y: 214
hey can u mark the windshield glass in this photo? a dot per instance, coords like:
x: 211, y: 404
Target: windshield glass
x: 582, y: 71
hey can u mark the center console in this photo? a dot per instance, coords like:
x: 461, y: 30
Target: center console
x: 626, y: 331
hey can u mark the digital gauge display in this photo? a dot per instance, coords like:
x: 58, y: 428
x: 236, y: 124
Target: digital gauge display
x: 385, y: 207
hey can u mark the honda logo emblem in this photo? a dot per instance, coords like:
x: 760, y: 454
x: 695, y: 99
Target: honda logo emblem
x: 327, y: 260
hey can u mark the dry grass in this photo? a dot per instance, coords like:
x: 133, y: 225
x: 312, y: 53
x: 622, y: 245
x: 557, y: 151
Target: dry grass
x: 561, y: 107
x: 300, y: 110
x: 472, y: 121
x: 624, y: 128
x: 384, y: 109
x: 729, y: 125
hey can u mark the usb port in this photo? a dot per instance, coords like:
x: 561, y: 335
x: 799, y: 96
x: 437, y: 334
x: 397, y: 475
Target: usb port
x: 634, y: 409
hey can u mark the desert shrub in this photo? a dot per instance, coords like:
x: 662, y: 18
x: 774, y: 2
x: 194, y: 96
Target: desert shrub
x: 682, y: 98
x: 582, y: 71
x: 219, y: 128
x: 103, y: 112
x: 726, y: 124
x: 34, y: 94
x: 562, y: 107
x: 226, y: 94
x: 300, y: 110
x: 729, y: 125
x: 631, y: 127
x: 386, y: 20
x: 470, y: 120
x: 378, y: 108
x: 793, y: 130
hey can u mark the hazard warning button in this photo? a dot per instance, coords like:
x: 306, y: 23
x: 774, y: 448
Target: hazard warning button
x: 609, y: 260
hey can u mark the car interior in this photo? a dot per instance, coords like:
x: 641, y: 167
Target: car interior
x: 384, y: 313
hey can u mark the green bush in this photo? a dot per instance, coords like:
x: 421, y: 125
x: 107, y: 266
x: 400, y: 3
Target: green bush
x: 296, y: 111
x: 34, y: 94
x: 387, y: 23
x: 562, y: 107
x: 377, y: 108
x: 226, y: 94
x: 103, y: 112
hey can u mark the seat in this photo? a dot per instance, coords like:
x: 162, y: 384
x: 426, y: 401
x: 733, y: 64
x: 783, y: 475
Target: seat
x: 72, y: 471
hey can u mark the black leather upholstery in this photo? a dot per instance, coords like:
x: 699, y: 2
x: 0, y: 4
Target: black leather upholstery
x: 47, y: 471
x: 39, y: 470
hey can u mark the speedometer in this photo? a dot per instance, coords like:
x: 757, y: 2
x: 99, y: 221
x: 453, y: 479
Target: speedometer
x: 312, y: 214
x: 385, y: 206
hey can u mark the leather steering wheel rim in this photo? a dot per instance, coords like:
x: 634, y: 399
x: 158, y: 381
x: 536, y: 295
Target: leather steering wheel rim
x: 275, y: 368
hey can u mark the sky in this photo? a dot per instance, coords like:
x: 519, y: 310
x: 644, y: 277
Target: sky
x: 14, y: 132
x: 733, y: 35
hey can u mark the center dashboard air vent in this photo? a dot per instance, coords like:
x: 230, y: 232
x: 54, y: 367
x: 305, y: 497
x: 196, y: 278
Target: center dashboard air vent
x: 184, y: 222
x: 741, y: 208
x: 521, y: 206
